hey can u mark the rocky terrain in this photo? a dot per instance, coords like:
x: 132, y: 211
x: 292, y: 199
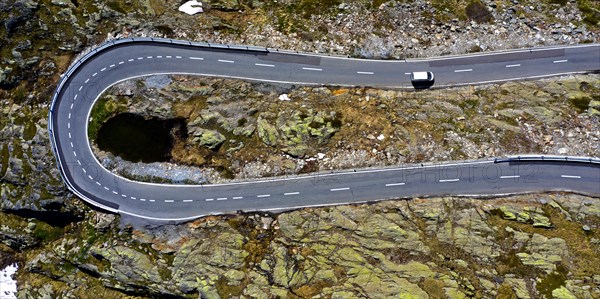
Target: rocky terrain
x: 241, y: 130
x: 535, y: 246
x: 528, y: 246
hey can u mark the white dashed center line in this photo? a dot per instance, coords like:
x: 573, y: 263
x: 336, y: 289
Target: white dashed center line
x: 197, y: 58
x: 510, y: 176
x: 462, y: 71
x: 169, y: 200
x: 140, y: 58
x: 312, y: 69
x: 188, y: 200
x: 559, y: 61
x: 178, y: 57
x: 121, y: 62
x: 263, y: 195
x: 106, y: 188
x: 112, y: 65
x: 91, y: 178
x: 365, y: 73
x: 103, y: 69
x: 149, y: 57
x: 226, y: 61
x: 262, y: 64
x: 238, y: 197
x: 130, y: 60
x: 339, y: 189
x: 209, y: 199
x: 394, y: 184
x: 115, y: 192
x: 222, y: 198
x: 449, y: 181
x: 513, y: 65
x: 291, y: 193
x: 94, y: 75
x: 169, y: 56
x: 87, y: 80
x: 570, y: 176
x: 80, y: 87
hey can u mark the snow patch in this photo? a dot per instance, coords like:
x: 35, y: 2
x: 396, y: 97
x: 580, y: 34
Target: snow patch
x: 8, y: 286
x: 191, y: 7
x: 284, y: 97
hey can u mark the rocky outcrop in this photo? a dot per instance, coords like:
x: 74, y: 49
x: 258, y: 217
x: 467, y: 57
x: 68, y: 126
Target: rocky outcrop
x: 437, y: 247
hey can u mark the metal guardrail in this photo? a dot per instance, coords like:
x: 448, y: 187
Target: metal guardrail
x: 525, y: 158
x: 103, y: 47
x: 112, y: 43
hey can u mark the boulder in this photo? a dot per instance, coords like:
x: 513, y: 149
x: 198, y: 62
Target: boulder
x: 267, y: 132
x: 209, y: 138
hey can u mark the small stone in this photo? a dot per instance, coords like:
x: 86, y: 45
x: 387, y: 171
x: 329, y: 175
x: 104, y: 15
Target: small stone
x: 586, y: 228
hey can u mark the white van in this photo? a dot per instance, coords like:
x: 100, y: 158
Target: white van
x: 421, y: 77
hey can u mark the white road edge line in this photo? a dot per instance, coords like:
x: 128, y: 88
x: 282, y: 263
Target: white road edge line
x: 559, y: 61
x: 510, y: 176
x: 570, y: 176
x: 312, y: 69
x: 394, y: 184
x: 514, y: 65
x: 462, y: 71
x: 339, y: 189
x: 450, y: 180
x: 262, y: 64
x: 226, y: 61
x: 291, y: 193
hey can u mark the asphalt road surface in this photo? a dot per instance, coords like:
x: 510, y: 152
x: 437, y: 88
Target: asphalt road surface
x: 104, y: 67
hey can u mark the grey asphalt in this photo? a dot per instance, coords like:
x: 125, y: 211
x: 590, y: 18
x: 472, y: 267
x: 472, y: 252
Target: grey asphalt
x: 84, y: 175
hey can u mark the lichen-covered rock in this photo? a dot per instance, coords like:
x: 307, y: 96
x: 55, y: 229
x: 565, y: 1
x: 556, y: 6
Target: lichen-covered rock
x: 209, y: 138
x: 267, y: 132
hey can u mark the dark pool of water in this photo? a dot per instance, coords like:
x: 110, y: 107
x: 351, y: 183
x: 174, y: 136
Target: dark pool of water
x: 136, y: 139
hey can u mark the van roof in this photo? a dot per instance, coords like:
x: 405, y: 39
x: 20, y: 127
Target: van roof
x: 420, y: 75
